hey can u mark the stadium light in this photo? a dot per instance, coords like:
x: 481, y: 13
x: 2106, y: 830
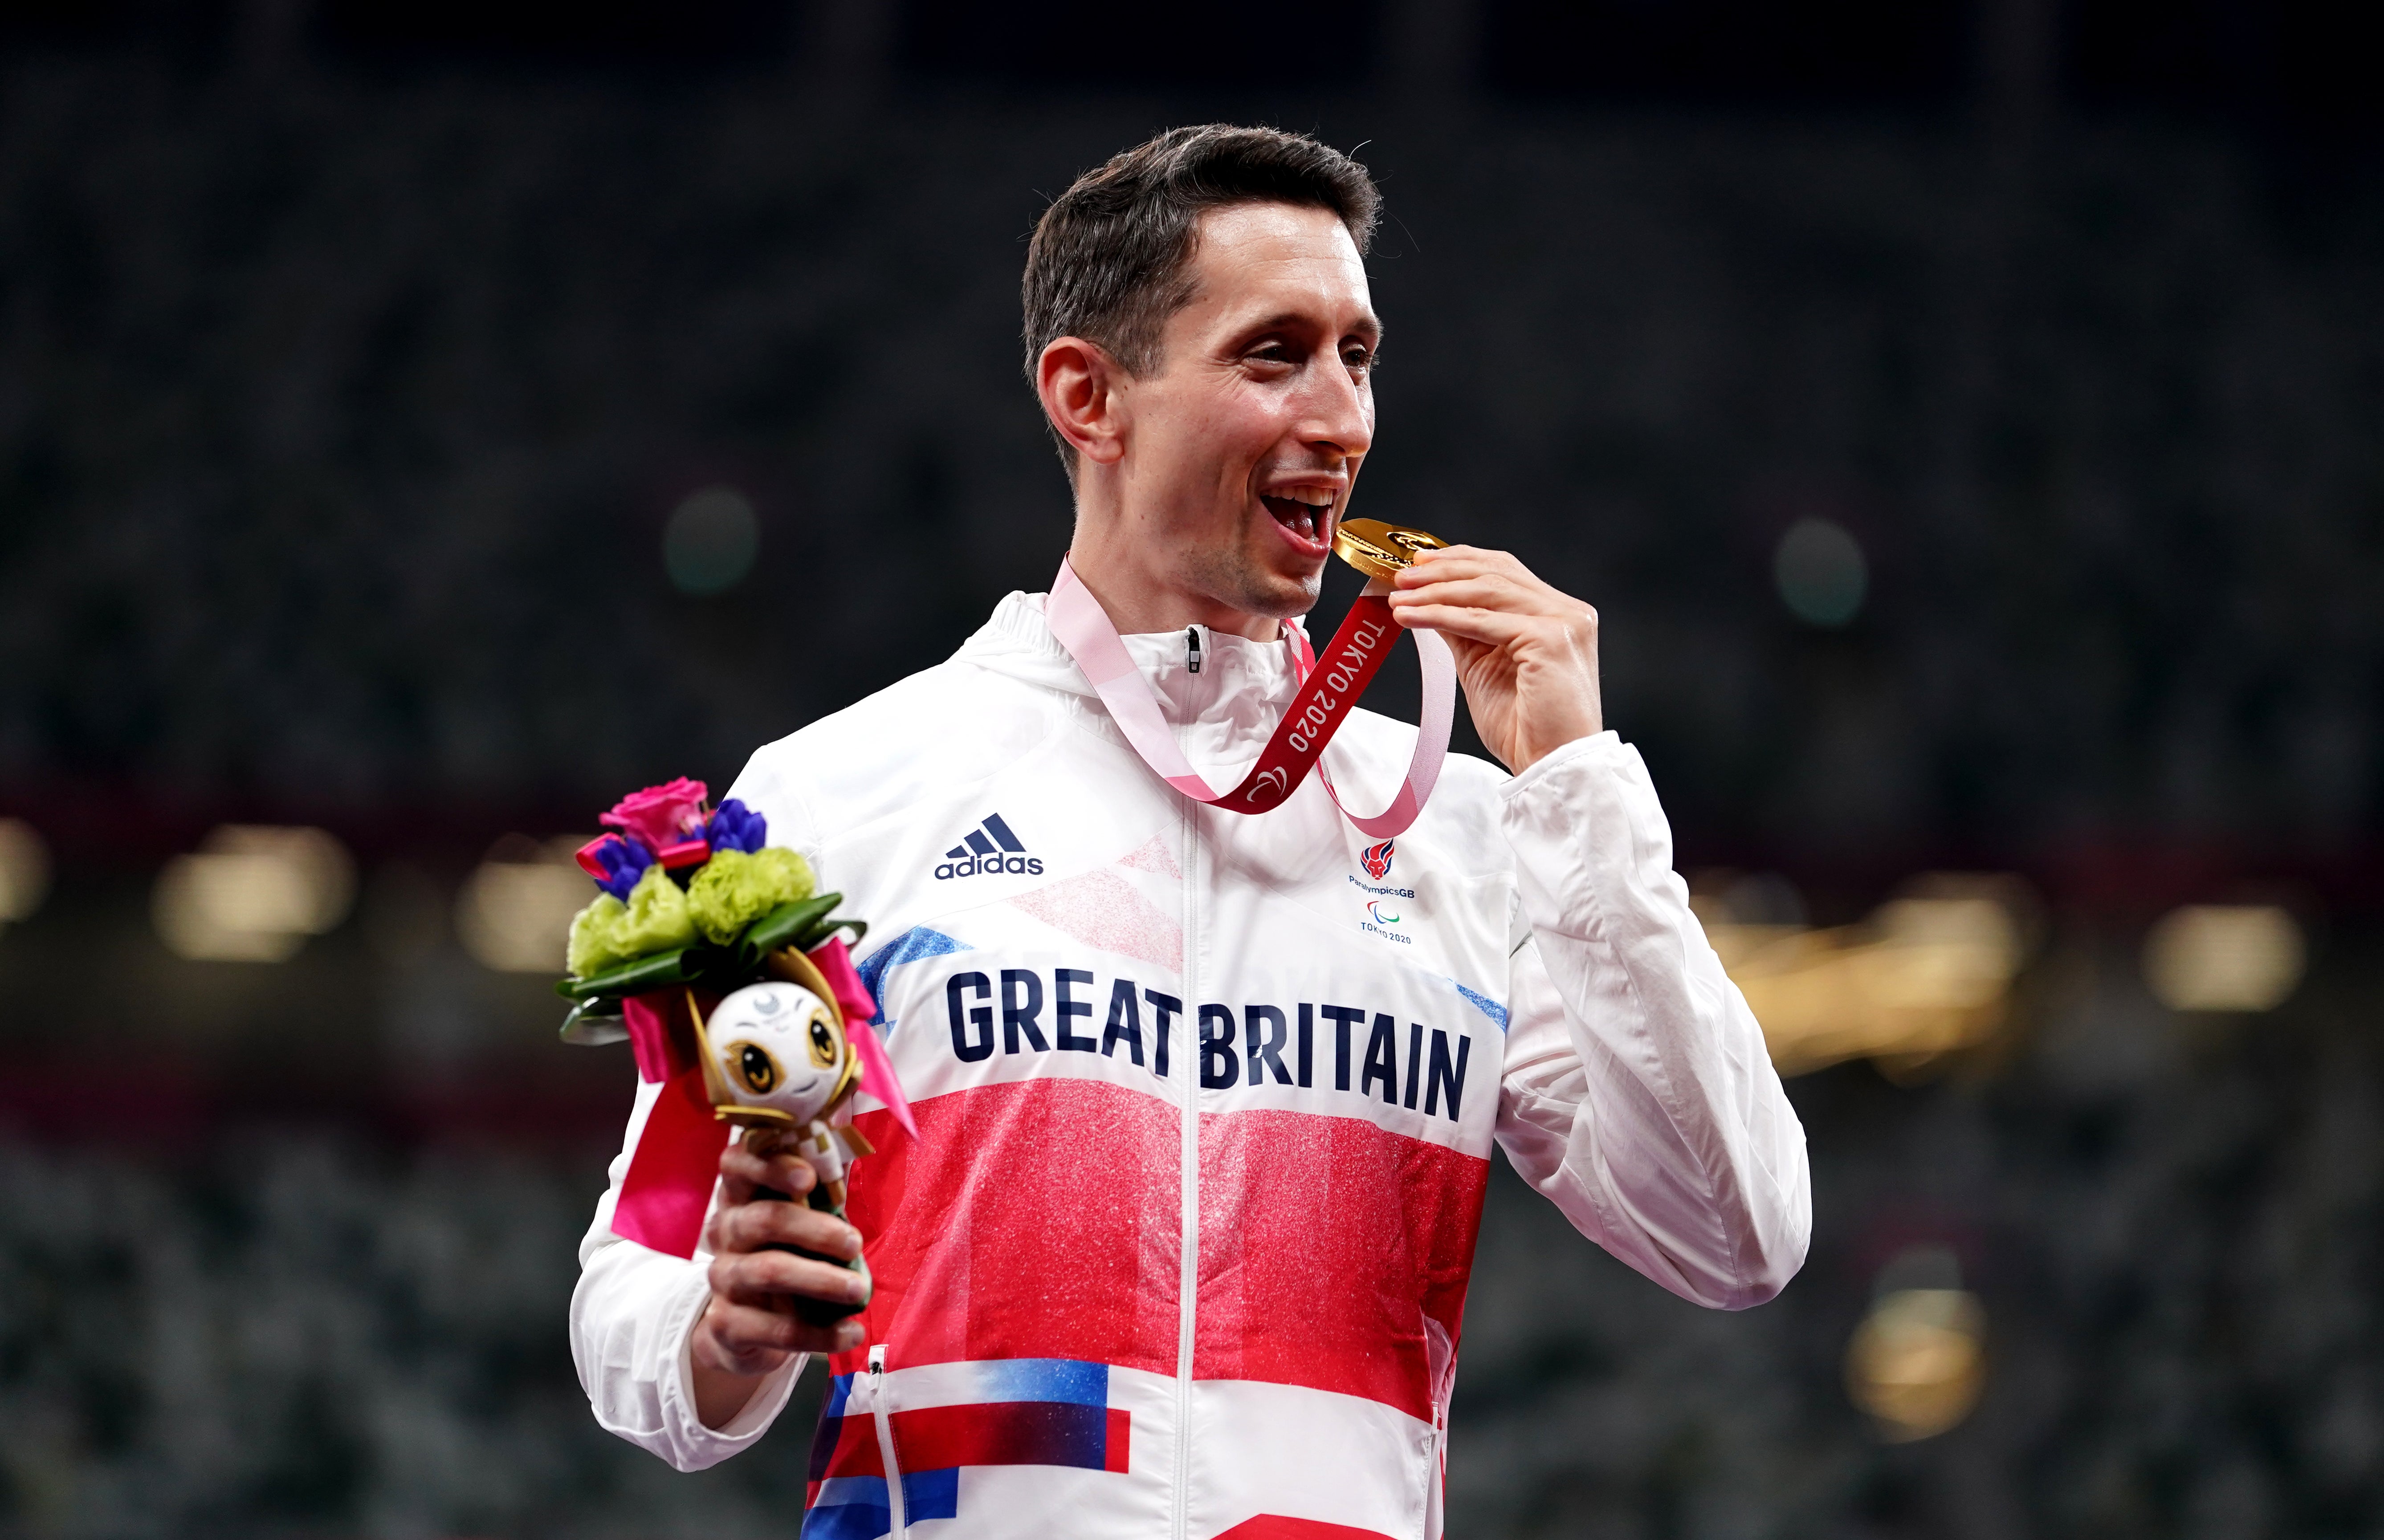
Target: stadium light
x: 2225, y: 957
x: 1927, y: 974
x: 24, y: 871
x: 515, y: 911
x: 253, y: 894
x: 1918, y: 1363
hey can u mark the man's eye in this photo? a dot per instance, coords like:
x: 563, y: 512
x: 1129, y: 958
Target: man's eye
x: 1359, y: 361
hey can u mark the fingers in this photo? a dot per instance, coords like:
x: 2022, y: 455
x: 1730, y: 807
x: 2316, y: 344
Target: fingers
x: 745, y: 1339
x: 751, y: 1226
x: 744, y: 1170
x: 1463, y: 576
x: 1433, y: 566
x: 1496, y: 628
x: 1490, y: 591
x: 765, y: 1279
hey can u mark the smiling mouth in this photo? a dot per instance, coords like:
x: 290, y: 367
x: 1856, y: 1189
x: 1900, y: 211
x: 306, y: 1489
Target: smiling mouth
x: 1303, y: 512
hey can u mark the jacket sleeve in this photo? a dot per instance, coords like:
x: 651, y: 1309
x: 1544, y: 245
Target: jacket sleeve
x: 631, y: 1316
x: 1637, y: 1094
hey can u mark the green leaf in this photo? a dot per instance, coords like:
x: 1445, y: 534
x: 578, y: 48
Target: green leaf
x: 647, y: 973
x: 821, y: 930
x: 590, y: 1024
x: 782, y: 925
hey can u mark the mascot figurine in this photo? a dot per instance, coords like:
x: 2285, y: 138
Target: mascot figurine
x: 710, y: 952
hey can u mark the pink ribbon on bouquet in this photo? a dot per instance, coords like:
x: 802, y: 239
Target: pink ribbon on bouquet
x: 1330, y: 684
x: 877, y: 1078
x: 668, y: 1186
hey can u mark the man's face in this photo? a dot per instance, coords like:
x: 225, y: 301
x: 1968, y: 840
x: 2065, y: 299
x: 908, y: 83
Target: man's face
x: 1245, y: 441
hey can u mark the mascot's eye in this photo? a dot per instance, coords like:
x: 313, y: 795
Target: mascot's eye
x: 823, y: 1043
x: 759, y: 1071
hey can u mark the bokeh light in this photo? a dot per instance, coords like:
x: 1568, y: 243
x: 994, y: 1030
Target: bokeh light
x: 515, y: 908
x: 1926, y: 974
x: 253, y: 894
x: 24, y: 870
x: 1916, y: 1363
x: 1821, y: 573
x: 711, y: 541
x: 2225, y: 957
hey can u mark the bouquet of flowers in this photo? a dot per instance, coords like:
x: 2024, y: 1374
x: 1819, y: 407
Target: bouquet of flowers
x: 709, y: 950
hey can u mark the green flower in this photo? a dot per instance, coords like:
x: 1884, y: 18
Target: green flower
x: 734, y: 889
x: 591, y: 936
x: 609, y: 932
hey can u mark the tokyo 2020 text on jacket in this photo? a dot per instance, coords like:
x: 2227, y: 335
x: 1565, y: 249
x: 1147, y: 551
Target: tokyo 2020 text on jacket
x: 1206, y: 1102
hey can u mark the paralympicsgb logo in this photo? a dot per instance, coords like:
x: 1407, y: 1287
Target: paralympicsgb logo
x: 1376, y: 858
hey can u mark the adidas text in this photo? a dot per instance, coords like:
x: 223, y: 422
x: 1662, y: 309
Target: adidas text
x: 1016, y: 866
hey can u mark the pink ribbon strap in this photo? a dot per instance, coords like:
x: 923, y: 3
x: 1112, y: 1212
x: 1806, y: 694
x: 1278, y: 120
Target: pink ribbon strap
x: 668, y: 1186
x: 1330, y: 684
x: 877, y: 1076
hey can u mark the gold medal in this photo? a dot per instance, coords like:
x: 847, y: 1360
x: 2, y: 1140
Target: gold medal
x: 1381, y: 550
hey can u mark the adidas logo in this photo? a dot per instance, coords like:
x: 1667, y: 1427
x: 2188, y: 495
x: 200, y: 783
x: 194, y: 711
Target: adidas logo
x: 990, y: 848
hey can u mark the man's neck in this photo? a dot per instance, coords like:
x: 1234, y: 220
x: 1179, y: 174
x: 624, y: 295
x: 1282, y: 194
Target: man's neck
x: 1117, y: 570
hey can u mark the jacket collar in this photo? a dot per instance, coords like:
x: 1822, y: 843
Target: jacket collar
x: 1239, y: 681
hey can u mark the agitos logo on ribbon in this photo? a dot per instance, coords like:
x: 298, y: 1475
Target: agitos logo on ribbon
x: 1329, y: 686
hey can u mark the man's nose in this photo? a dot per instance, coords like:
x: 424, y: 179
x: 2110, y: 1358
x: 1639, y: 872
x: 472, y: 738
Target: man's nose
x: 1339, y: 414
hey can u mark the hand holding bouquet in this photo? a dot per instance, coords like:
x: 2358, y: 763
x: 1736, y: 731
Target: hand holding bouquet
x: 709, y: 950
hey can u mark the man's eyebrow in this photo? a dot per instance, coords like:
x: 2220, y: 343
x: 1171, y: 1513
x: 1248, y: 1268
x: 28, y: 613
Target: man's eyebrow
x: 1370, y: 327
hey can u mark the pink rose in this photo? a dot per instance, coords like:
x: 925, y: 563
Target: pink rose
x: 661, y: 818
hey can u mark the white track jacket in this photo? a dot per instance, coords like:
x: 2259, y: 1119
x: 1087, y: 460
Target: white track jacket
x: 1206, y: 1104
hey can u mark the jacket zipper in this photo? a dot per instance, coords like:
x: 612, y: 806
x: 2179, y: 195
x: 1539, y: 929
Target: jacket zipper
x: 1432, y: 1478
x: 879, y: 1410
x: 1187, y: 1283
x: 1192, y: 646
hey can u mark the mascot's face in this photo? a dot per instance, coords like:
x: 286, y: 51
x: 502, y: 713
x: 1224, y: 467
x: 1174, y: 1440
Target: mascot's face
x: 779, y: 1046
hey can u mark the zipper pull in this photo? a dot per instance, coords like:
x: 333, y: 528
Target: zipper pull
x: 877, y: 1361
x: 1192, y: 643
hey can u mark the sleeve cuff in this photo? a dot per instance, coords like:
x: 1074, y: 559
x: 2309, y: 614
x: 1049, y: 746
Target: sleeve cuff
x: 1598, y: 745
x: 706, y: 1446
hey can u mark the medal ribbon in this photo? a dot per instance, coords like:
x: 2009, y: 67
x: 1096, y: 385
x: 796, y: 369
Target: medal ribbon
x: 1330, y: 684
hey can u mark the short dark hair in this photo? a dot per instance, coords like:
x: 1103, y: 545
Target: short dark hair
x: 1109, y: 257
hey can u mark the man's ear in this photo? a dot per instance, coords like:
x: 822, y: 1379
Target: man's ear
x: 1080, y: 385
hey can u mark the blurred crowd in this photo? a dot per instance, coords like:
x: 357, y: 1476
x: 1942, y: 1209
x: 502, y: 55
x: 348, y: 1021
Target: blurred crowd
x: 343, y: 419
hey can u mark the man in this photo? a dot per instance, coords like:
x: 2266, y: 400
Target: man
x: 1206, y: 1100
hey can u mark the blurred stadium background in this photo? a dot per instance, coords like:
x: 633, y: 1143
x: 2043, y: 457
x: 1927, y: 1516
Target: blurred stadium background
x: 421, y: 422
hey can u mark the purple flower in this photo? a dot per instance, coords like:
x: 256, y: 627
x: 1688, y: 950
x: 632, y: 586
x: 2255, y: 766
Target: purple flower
x: 615, y: 863
x: 734, y: 826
